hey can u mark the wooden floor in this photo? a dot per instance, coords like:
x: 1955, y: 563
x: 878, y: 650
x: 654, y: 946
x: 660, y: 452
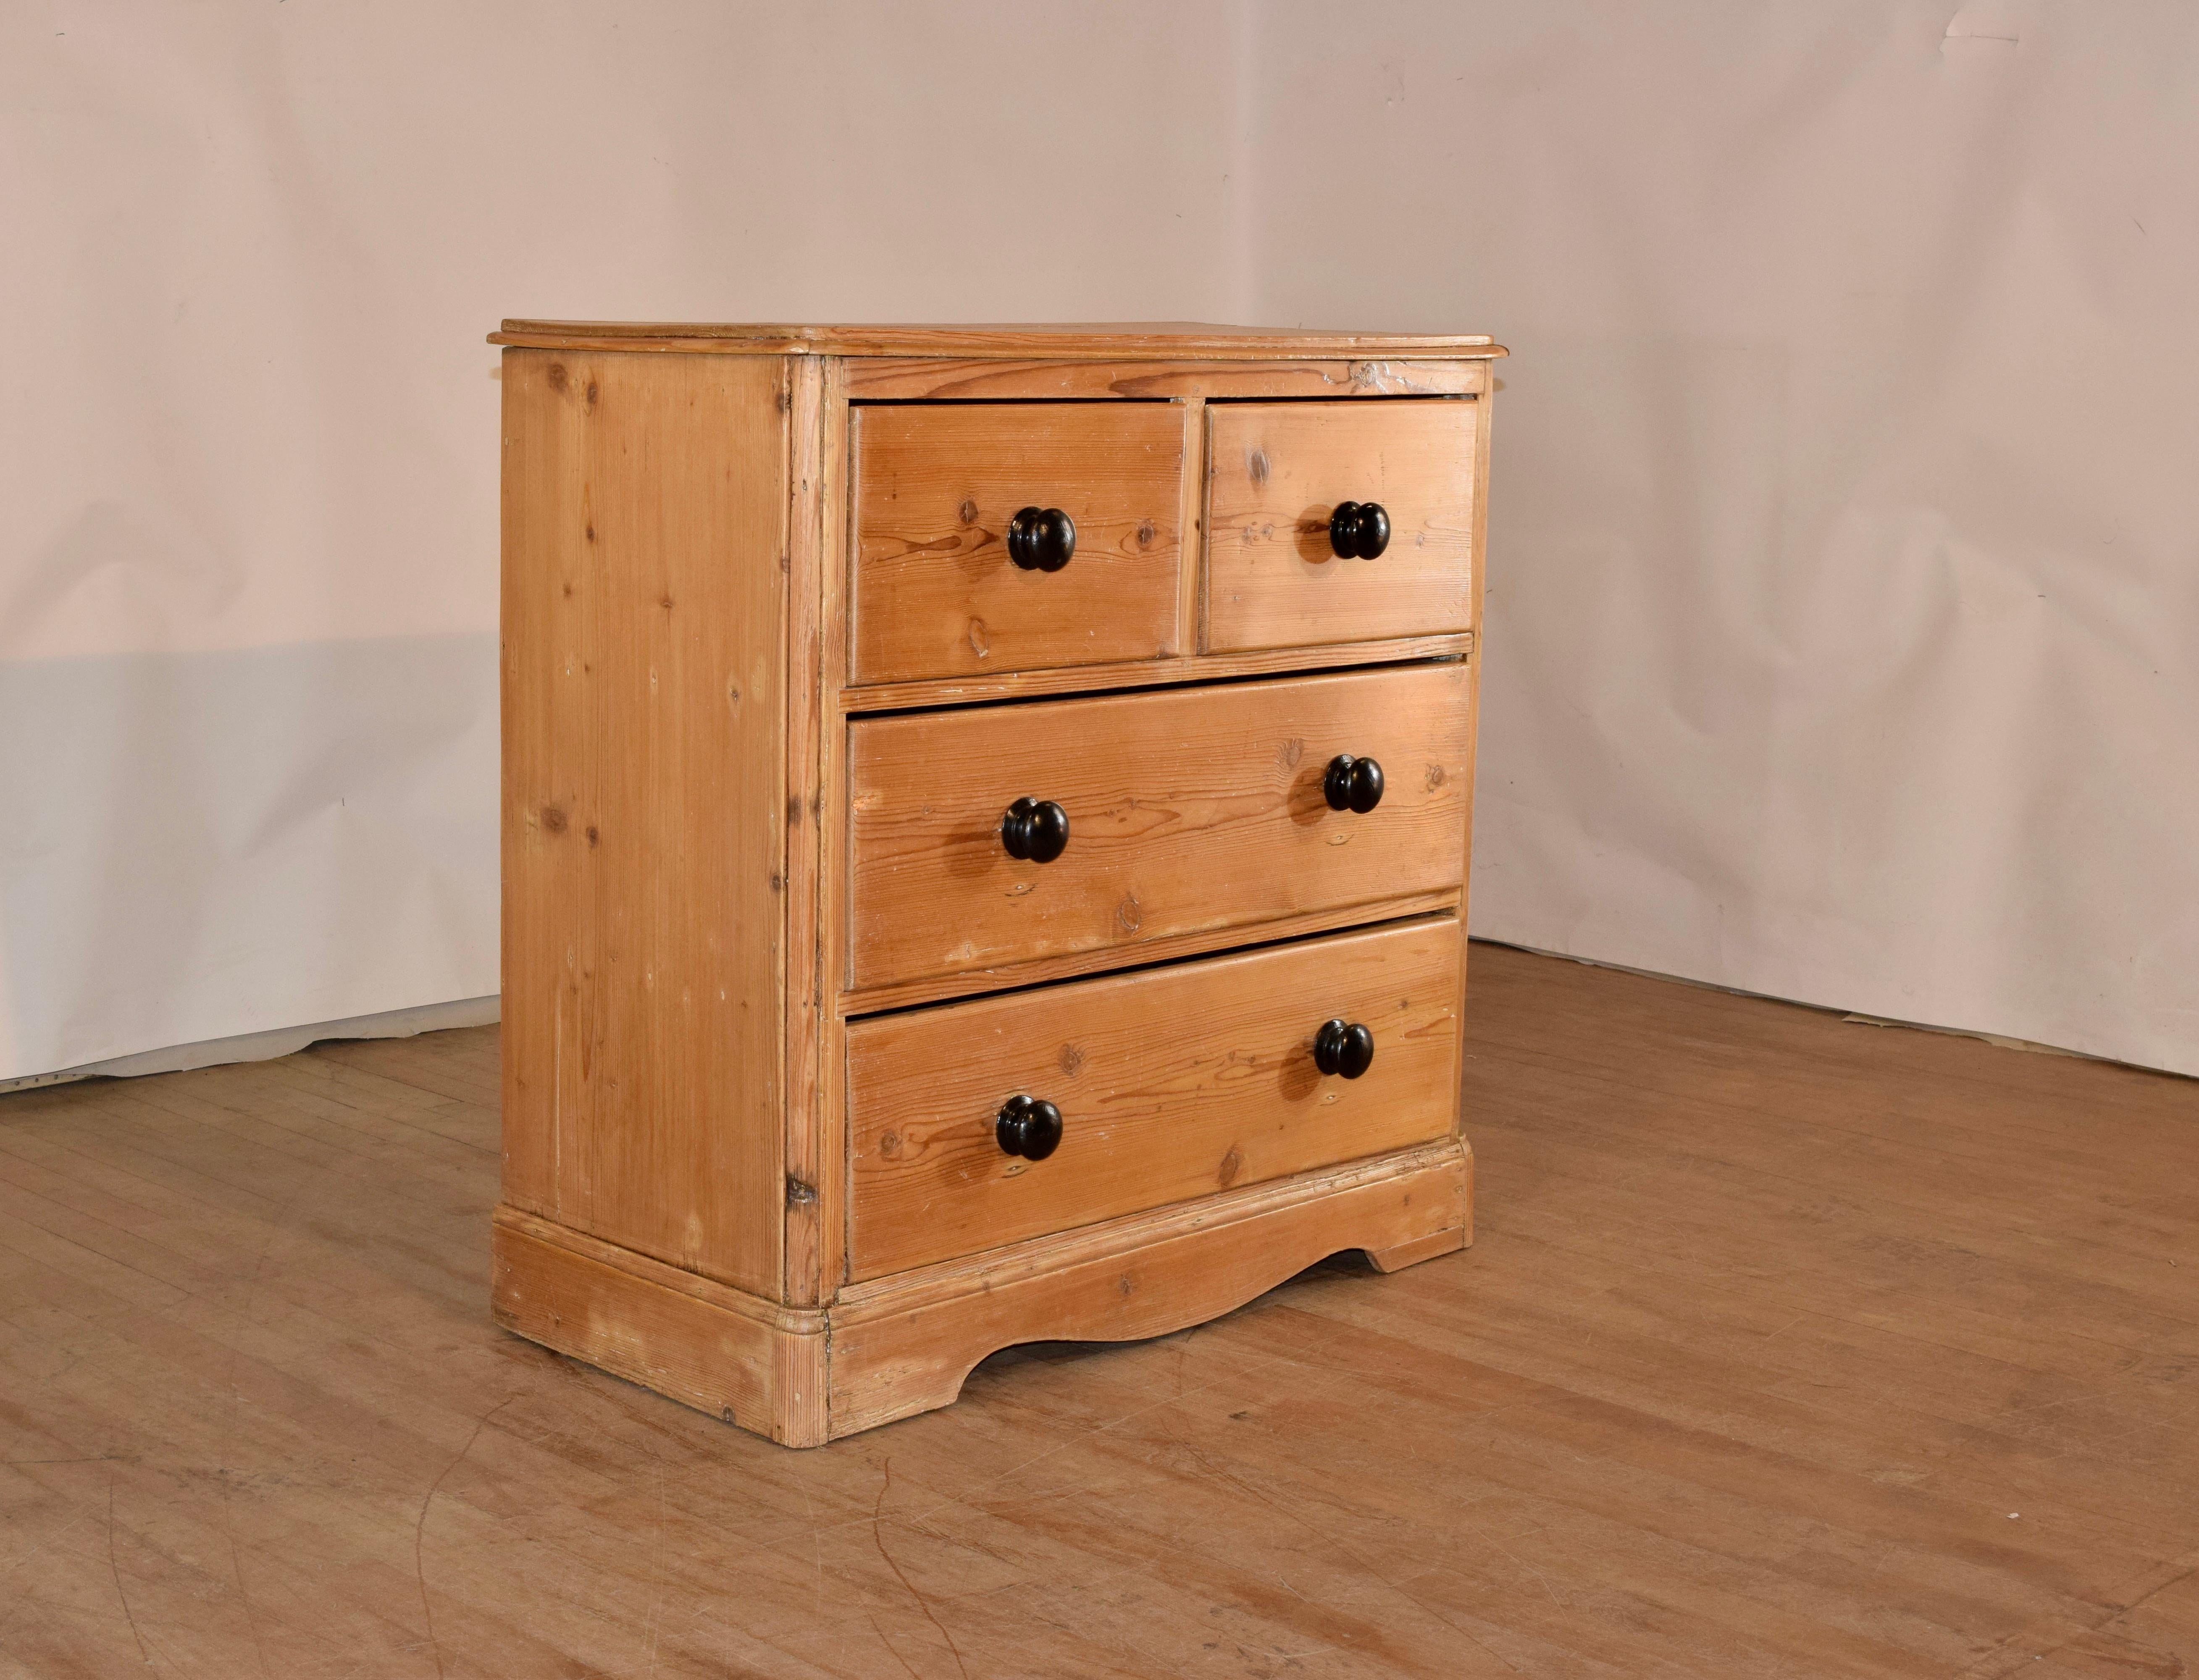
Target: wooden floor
x: 1789, y: 1347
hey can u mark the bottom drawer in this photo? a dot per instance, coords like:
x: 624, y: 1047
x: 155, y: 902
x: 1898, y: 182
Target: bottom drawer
x: 1171, y: 1084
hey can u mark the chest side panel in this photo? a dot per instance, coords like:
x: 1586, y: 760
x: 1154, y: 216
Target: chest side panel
x: 644, y: 509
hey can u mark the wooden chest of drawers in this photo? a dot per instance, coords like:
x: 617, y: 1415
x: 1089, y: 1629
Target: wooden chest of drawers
x: 985, y: 825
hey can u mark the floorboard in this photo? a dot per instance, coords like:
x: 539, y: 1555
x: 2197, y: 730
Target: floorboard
x: 1787, y: 1347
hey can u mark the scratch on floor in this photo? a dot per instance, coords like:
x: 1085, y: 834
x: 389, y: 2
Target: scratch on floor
x: 1372, y: 1571
x: 115, y: 1570
x: 2057, y: 1633
x: 237, y: 1569
x: 656, y: 1565
x: 888, y: 1644
x: 879, y: 1534
x: 1078, y: 1439
x: 420, y: 1525
x: 817, y: 1546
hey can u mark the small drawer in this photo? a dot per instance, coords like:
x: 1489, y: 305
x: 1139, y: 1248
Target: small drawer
x: 1278, y: 472
x: 1170, y: 1084
x: 1190, y: 810
x: 937, y: 591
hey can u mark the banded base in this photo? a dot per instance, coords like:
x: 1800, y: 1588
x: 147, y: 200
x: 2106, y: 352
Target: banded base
x: 899, y: 1346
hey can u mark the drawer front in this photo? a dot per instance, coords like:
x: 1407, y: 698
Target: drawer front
x: 1187, y: 811
x: 1278, y: 472
x: 1172, y: 1083
x: 935, y: 593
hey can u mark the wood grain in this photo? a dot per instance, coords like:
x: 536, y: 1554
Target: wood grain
x: 938, y: 379
x: 934, y: 592
x: 1191, y: 521
x: 816, y: 471
x: 1276, y: 472
x: 644, y: 653
x: 1769, y: 1323
x: 1164, y: 340
x: 776, y: 1314
x: 1151, y: 672
x: 1172, y: 1083
x: 1171, y: 947
x: 907, y: 1344
x: 827, y: 1118
x: 1419, y: 1249
x: 735, y: 1365
x: 1189, y: 809
x: 713, y: 569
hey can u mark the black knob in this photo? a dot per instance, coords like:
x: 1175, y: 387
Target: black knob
x: 1358, y: 530
x: 1344, y: 1049
x: 1037, y: 829
x: 1352, y: 784
x: 1042, y: 540
x: 1031, y: 1128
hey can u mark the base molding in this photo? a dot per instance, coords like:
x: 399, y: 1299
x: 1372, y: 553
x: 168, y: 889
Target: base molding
x: 896, y: 1346
x: 739, y: 1360
x: 1412, y: 1253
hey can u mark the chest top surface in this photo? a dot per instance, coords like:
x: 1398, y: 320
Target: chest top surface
x: 1117, y: 339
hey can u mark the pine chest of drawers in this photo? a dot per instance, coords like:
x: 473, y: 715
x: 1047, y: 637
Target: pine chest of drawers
x: 985, y: 820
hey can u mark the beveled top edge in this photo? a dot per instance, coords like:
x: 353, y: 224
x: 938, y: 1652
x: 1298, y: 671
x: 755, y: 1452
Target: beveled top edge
x: 1119, y: 340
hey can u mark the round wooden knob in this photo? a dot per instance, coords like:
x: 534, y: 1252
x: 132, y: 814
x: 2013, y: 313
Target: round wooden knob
x: 1031, y: 1127
x: 1345, y: 1047
x: 1042, y: 540
x: 1358, y: 530
x: 1352, y: 784
x: 1034, y: 830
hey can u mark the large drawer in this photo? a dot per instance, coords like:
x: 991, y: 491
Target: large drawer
x: 1190, y: 810
x: 935, y: 593
x: 1277, y: 473
x: 1171, y: 1083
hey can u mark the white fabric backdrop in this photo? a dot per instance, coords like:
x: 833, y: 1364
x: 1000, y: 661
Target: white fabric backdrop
x: 1843, y: 636
x: 247, y: 577
x: 1846, y: 531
